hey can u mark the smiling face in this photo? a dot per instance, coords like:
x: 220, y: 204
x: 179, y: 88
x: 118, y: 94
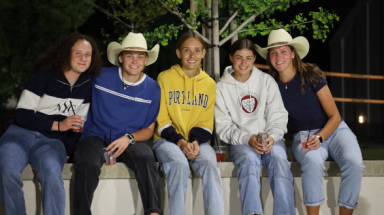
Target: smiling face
x: 242, y: 61
x: 132, y: 63
x: 81, y: 56
x: 190, y: 52
x: 281, y: 58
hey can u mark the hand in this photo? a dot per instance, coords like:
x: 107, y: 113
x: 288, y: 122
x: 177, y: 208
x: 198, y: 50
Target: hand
x: 186, y: 148
x: 70, y: 122
x: 258, y: 147
x: 268, y: 147
x: 196, y: 150
x: 118, y: 146
x: 313, y: 142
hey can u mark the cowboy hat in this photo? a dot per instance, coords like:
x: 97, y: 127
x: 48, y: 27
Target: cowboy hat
x: 280, y: 37
x: 133, y: 42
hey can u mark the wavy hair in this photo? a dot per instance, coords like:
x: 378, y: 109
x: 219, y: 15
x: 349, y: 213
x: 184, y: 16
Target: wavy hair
x: 308, y: 71
x: 58, y: 56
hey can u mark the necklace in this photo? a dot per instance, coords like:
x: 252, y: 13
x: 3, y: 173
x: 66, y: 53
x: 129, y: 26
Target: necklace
x: 127, y: 85
x: 286, y: 86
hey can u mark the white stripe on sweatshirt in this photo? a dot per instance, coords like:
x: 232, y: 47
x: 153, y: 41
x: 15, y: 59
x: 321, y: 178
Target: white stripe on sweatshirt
x: 245, y: 109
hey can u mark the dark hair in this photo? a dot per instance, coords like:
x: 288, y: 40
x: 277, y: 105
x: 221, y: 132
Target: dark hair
x: 242, y: 44
x: 58, y: 56
x: 186, y: 36
x: 308, y: 71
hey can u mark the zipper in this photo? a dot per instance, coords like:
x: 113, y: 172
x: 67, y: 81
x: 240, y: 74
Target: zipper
x: 70, y: 85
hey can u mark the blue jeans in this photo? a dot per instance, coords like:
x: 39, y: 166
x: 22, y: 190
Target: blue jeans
x: 342, y: 147
x: 175, y: 165
x: 248, y: 174
x: 18, y: 147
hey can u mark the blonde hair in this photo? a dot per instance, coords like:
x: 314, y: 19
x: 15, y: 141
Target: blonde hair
x: 308, y: 71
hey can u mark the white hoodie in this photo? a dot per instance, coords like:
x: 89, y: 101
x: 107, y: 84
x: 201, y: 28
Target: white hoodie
x: 245, y: 109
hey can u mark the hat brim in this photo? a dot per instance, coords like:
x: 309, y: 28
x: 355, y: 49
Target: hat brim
x: 114, y: 49
x: 300, y: 44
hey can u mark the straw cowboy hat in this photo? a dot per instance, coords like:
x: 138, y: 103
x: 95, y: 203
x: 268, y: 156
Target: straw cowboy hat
x: 280, y: 37
x: 133, y: 42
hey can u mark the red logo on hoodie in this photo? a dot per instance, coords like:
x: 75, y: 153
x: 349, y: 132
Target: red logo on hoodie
x: 249, y: 103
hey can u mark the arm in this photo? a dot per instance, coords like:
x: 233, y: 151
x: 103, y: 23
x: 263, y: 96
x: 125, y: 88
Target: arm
x: 165, y: 128
x: 29, y: 101
x: 202, y: 131
x: 330, y: 108
x: 225, y: 127
x: 275, y: 113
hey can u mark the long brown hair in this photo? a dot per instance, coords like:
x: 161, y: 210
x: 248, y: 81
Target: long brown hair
x: 58, y: 56
x: 186, y: 36
x: 308, y: 71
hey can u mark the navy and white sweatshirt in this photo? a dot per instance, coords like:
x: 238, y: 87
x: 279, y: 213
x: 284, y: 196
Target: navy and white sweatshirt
x: 47, y: 98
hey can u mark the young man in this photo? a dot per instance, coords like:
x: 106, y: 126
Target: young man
x: 125, y: 104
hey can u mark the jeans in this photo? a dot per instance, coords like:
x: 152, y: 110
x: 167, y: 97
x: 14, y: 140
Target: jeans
x: 175, y: 165
x: 18, y: 147
x: 342, y: 147
x: 248, y: 174
x: 138, y: 157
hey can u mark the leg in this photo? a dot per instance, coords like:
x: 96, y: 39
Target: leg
x: 345, y: 150
x: 175, y: 165
x: 312, y: 167
x: 139, y: 158
x: 205, y: 166
x: 47, y: 158
x: 280, y: 178
x: 248, y: 174
x: 88, y: 161
x: 14, y: 156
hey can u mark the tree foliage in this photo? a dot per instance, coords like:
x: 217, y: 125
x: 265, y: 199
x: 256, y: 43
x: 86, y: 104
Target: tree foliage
x: 129, y: 15
x: 27, y: 28
x: 252, y: 17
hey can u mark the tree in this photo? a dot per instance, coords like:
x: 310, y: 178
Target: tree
x: 27, y: 28
x: 130, y: 15
x: 238, y: 18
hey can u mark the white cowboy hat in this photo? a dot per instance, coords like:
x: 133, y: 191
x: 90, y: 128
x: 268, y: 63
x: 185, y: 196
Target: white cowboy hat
x: 280, y: 37
x: 133, y: 42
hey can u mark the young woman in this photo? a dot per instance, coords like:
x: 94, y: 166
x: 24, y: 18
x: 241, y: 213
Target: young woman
x: 248, y: 102
x: 41, y: 133
x: 310, y: 105
x: 185, y: 125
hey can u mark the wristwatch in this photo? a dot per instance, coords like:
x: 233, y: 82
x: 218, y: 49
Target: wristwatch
x: 131, y: 138
x: 320, y: 138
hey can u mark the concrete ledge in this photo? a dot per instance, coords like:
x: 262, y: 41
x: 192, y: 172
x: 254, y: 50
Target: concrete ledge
x: 228, y: 170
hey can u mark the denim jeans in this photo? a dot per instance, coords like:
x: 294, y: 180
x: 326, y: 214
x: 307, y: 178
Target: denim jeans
x: 341, y: 146
x: 138, y: 157
x: 18, y: 147
x: 248, y: 174
x: 175, y: 165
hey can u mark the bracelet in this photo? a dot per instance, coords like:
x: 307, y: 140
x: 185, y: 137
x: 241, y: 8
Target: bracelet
x: 58, y: 126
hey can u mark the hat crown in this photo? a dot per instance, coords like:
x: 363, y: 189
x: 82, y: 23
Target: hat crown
x: 134, y: 40
x: 279, y: 35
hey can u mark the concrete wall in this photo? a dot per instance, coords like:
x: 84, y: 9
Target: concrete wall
x: 118, y: 193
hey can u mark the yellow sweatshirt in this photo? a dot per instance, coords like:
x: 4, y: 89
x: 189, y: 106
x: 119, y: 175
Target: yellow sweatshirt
x: 186, y: 104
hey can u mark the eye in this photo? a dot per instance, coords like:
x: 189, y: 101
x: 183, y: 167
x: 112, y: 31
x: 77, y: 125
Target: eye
x: 88, y: 55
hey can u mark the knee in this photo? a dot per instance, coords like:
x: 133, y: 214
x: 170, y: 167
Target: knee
x: 352, y: 167
x: 281, y: 167
x: 8, y: 172
x: 50, y: 176
x: 179, y: 167
x: 86, y: 167
x: 312, y: 164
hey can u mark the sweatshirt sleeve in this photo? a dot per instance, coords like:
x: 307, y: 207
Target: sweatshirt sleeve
x: 225, y: 127
x: 153, y: 108
x: 275, y: 113
x: 202, y: 131
x: 165, y: 128
x: 26, y: 115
